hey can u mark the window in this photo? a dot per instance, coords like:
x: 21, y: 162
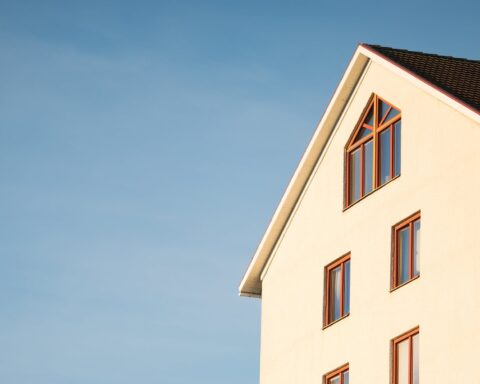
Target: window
x: 372, y: 154
x: 337, y: 290
x: 338, y: 376
x: 405, y: 358
x: 406, y: 246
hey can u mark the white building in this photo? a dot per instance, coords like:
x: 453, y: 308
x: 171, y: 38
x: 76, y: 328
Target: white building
x: 348, y: 289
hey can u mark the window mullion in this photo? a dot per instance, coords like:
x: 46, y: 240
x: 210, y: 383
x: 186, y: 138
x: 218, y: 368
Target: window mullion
x: 347, y: 179
x: 342, y: 281
x: 376, y: 159
x: 327, y: 298
x: 395, y: 258
x: 410, y: 235
x: 392, y: 150
x: 362, y: 172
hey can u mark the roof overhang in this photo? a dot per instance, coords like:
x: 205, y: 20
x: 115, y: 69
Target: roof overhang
x: 251, y: 284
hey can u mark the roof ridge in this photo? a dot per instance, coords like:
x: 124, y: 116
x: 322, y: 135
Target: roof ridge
x: 376, y: 46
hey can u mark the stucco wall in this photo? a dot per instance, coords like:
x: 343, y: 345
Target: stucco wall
x: 441, y: 177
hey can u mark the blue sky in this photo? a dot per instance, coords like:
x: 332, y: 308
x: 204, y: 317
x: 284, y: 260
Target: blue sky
x: 143, y: 148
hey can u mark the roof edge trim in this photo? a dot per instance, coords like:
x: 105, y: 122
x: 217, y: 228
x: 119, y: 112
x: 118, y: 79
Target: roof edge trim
x: 422, y: 79
x: 251, y: 283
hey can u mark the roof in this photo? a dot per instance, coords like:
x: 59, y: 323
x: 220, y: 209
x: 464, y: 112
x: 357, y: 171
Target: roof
x: 457, y: 76
x: 455, y: 81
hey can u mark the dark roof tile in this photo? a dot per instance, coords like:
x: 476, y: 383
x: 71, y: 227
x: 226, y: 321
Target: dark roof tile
x: 458, y: 77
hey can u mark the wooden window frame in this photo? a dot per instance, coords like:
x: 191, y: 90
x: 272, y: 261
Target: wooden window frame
x: 407, y: 222
x: 341, y: 261
x: 377, y: 129
x: 336, y: 372
x: 397, y: 340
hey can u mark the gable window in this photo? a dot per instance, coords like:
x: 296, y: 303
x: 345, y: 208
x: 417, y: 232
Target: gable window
x: 372, y: 154
x: 338, y: 376
x: 337, y: 290
x: 406, y: 255
x: 405, y: 369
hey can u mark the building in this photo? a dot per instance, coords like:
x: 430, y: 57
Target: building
x: 348, y: 289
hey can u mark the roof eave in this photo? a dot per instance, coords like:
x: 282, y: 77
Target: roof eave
x: 251, y: 282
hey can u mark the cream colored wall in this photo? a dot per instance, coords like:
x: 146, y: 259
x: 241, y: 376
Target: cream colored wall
x: 441, y: 176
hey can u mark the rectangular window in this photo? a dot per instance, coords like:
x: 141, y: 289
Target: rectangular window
x: 405, y: 358
x: 406, y: 246
x: 337, y: 289
x: 338, y: 376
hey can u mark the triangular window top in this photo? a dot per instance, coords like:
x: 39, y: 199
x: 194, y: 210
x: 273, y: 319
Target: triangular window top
x: 369, y: 117
x: 378, y: 114
x: 365, y: 126
x: 386, y: 112
x: 363, y: 132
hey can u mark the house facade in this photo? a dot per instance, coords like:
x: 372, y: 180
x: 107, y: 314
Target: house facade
x: 369, y: 271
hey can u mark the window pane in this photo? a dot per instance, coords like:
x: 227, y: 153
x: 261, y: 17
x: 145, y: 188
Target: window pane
x: 384, y: 160
x: 334, y: 380
x: 334, y: 300
x: 368, y: 167
x: 402, y: 362
x: 354, y: 176
x: 403, y: 255
x: 398, y: 142
x: 345, y: 377
x: 416, y: 248
x: 392, y: 114
x: 346, y: 289
x: 364, y: 132
x: 415, y: 341
x: 369, y: 118
x: 383, y: 109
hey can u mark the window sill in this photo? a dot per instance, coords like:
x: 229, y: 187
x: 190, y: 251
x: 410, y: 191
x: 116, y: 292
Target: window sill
x: 405, y: 283
x: 335, y: 322
x: 370, y: 193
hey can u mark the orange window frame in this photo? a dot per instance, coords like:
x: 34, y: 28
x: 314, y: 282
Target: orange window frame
x: 397, y: 340
x: 378, y: 127
x: 327, y: 378
x: 339, y: 262
x: 405, y: 223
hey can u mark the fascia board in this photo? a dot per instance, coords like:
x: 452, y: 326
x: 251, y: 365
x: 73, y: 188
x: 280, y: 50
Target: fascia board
x: 251, y: 282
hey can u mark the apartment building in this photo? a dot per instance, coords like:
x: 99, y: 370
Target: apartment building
x: 369, y: 271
